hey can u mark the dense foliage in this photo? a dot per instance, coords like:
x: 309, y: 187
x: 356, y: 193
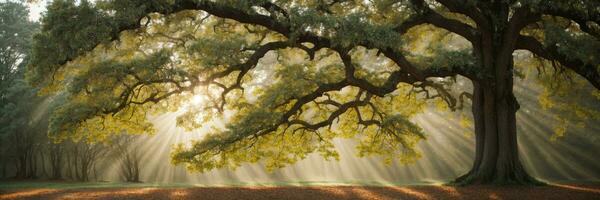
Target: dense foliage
x: 289, y: 76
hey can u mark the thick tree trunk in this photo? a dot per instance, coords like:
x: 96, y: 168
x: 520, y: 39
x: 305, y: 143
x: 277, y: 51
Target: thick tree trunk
x: 496, y: 150
x: 495, y: 107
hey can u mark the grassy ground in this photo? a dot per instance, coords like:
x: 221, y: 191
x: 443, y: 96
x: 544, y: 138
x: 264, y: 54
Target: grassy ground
x: 301, y: 190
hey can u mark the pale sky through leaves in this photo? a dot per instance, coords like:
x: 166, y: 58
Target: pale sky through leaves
x: 36, y: 9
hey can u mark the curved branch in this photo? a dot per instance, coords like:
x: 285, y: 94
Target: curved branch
x: 210, y: 7
x: 468, y: 9
x: 274, y: 7
x: 427, y: 15
x: 243, y: 68
x: 334, y: 115
x: 589, y: 71
x: 581, y: 17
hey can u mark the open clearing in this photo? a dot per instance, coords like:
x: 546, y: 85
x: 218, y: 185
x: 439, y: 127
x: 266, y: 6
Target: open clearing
x: 559, y: 192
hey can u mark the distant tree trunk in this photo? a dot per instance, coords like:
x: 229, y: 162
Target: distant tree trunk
x: 24, y: 143
x: 24, y: 169
x: 129, y: 156
x: 4, y: 169
x: 76, y: 163
x: 84, y: 158
x: 136, y: 177
x: 21, y: 167
x: 83, y: 175
x: 6, y: 160
x: 95, y: 173
x: 55, y: 157
x: 69, y: 164
x: 83, y: 168
x: 43, y: 164
x: 32, y: 170
x: 21, y: 157
x: 131, y: 166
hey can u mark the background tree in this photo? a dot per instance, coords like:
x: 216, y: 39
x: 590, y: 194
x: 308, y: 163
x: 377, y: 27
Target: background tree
x: 290, y: 76
x: 55, y: 155
x: 129, y: 156
x: 22, y: 132
x: 19, y: 129
x: 82, y: 158
x: 16, y: 32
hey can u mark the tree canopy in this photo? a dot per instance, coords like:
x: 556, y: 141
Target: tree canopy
x: 16, y: 96
x: 289, y: 76
x: 15, y: 42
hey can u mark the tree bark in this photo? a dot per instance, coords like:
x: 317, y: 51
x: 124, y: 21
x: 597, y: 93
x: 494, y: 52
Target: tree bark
x: 496, y: 150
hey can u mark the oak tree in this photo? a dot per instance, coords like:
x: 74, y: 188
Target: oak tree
x: 289, y: 76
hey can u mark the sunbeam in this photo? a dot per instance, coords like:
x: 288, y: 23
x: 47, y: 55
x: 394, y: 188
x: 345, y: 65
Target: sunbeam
x: 446, y: 153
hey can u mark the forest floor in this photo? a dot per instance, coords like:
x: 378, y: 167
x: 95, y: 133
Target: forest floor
x: 89, y: 191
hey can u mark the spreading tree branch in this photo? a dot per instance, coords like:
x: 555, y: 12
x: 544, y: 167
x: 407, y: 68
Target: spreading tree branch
x: 550, y: 52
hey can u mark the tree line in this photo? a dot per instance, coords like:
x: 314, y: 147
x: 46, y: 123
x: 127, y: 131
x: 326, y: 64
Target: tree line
x: 26, y: 151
